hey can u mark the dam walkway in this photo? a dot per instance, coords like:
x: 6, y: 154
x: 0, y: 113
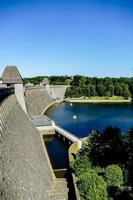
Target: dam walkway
x: 68, y: 135
x: 43, y: 123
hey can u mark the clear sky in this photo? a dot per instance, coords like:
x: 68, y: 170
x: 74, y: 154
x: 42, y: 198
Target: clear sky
x: 59, y: 37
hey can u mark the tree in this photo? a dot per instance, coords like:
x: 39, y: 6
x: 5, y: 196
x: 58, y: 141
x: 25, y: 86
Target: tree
x: 92, y: 186
x: 101, y: 90
x: 118, y: 90
x: 85, y: 91
x: 81, y: 165
x: 114, y: 176
x: 111, y: 135
x: 82, y: 82
x: 68, y: 81
x: 76, y: 80
x: 126, y: 92
x: 111, y: 89
x: 93, y: 90
x: 108, y: 93
x: 129, y: 150
x: 68, y: 92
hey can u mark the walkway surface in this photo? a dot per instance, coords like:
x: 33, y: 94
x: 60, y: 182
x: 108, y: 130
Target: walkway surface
x: 59, y: 190
x: 68, y: 135
x: 41, y: 120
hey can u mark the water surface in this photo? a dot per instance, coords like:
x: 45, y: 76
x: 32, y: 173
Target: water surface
x: 58, y: 151
x: 92, y: 116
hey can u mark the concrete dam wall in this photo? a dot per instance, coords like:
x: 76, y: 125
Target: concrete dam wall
x: 25, y: 169
x: 58, y: 91
x: 37, y: 100
x: 25, y: 172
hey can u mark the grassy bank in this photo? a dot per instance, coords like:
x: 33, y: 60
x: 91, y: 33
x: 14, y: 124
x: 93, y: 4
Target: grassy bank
x: 97, y: 99
x: 73, y: 150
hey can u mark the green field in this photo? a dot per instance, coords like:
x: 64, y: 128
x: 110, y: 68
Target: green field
x: 109, y: 98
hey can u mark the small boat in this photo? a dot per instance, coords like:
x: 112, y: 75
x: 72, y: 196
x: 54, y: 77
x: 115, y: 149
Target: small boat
x: 71, y: 104
x: 74, y: 117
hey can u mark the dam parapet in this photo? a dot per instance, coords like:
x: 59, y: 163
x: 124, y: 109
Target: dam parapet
x: 37, y: 99
x: 12, y: 78
x: 26, y: 171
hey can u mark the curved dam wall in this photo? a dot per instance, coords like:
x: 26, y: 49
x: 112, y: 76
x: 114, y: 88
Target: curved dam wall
x: 37, y: 100
x: 58, y: 91
x: 25, y: 172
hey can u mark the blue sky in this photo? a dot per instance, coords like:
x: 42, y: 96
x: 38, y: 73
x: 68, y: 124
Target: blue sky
x: 56, y: 37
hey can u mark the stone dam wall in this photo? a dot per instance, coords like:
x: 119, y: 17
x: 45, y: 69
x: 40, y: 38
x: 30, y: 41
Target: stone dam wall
x: 25, y: 172
x: 58, y: 91
x: 37, y: 100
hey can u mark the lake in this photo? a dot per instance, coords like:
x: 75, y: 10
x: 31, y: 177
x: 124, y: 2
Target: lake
x: 89, y: 117
x: 92, y: 117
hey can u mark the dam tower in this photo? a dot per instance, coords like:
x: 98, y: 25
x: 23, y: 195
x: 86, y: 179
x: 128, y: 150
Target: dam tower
x: 12, y: 77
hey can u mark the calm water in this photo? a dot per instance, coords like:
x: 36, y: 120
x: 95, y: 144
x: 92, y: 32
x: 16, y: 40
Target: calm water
x: 89, y: 117
x: 92, y: 117
x: 58, y: 151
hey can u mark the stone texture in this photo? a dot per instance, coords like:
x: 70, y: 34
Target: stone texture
x: 58, y: 91
x: 11, y: 75
x: 37, y: 100
x: 24, y: 169
x: 59, y: 190
x: 19, y: 92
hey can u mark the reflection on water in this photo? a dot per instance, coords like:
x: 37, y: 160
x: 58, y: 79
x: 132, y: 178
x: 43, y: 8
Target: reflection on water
x: 92, y: 117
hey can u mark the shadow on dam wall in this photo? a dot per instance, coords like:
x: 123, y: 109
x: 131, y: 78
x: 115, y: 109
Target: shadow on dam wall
x: 58, y: 154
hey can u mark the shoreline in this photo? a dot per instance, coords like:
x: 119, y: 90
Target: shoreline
x: 97, y: 101
x: 51, y: 104
x: 91, y: 101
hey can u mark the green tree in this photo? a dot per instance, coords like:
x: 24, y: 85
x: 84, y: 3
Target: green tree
x: 84, y: 91
x: 111, y: 89
x: 114, y: 176
x: 93, y: 90
x: 76, y: 80
x: 68, y: 81
x: 82, y: 82
x: 126, y: 92
x: 81, y: 165
x: 118, y: 90
x: 92, y: 186
x: 108, y: 93
x: 101, y: 90
x: 68, y: 92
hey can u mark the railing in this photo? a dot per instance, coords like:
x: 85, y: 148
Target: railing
x: 68, y: 135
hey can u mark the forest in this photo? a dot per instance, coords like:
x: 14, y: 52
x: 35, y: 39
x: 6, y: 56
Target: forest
x: 88, y: 87
x: 104, y: 166
x: 82, y: 86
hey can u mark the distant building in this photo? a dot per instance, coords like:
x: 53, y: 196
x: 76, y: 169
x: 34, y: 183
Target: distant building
x: 12, y: 77
x: 45, y: 82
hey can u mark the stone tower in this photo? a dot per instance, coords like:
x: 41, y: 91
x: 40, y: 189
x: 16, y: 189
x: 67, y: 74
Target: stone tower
x: 12, y: 77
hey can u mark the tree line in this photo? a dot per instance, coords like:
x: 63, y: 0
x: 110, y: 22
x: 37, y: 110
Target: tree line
x: 108, y: 87
x: 104, y: 166
x: 82, y: 86
x: 54, y: 80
